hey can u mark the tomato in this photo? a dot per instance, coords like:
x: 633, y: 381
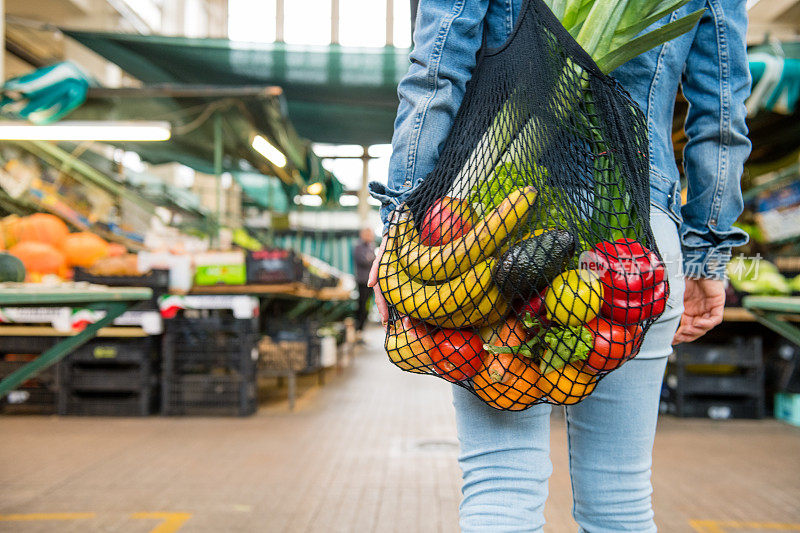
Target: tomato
x: 574, y: 297
x: 446, y: 220
x: 457, y: 354
x: 613, y: 344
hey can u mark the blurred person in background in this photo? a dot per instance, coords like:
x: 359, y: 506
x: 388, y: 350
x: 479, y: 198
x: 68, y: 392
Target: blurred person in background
x: 505, y: 456
x: 364, y: 256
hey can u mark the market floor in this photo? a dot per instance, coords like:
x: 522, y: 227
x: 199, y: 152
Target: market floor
x: 372, y: 450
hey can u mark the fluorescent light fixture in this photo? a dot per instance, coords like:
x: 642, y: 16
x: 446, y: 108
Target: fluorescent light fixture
x: 315, y: 188
x: 85, y: 131
x: 272, y: 154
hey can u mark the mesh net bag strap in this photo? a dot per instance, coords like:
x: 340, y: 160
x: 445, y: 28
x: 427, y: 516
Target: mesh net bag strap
x: 524, y: 268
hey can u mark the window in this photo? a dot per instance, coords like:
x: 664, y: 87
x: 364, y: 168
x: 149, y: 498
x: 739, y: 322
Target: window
x: 362, y: 22
x: 307, y: 21
x: 251, y: 21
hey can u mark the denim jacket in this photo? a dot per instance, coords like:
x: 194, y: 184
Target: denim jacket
x: 710, y: 61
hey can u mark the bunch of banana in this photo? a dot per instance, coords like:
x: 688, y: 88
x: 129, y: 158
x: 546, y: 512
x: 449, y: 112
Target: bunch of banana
x: 408, y: 345
x: 451, y: 285
x: 441, y: 263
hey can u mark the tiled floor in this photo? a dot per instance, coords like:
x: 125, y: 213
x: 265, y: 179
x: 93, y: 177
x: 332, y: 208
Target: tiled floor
x: 372, y: 450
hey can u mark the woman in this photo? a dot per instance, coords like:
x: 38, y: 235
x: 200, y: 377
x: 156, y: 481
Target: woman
x: 505, y: 455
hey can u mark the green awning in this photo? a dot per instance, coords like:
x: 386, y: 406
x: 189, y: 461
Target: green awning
x: 335, y: 94
x: 196, y: 113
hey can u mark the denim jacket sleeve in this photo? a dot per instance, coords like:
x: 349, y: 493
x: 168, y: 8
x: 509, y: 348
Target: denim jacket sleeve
x: 447, y: 37
x: 716, y: 82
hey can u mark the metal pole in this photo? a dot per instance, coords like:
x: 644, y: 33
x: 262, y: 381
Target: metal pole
x: 279, y: 11
x: 363, y: 193
x: 218, y: 161
x: 389, y: 22
x: 334, y: 21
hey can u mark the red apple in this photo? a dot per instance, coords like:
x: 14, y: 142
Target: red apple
x: 446, y: 220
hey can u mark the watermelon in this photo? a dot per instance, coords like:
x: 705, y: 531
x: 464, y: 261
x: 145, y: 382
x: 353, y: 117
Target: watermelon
x: 11, y: 268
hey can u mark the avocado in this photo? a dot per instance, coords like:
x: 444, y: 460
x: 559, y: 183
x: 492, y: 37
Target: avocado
x: 530, y: 265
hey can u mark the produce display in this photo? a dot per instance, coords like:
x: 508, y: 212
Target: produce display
x: 524, y: 268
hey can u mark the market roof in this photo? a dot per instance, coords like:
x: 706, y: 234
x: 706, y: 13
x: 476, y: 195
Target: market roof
x: 335, y: 94
x: 195, y: 113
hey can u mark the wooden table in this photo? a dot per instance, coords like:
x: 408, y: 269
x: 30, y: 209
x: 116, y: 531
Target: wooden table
x: 113, y: 300
x: 777, y: 313
x: 297, y: 290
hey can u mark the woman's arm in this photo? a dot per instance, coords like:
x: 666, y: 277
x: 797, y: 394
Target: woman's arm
x: 716, y: 83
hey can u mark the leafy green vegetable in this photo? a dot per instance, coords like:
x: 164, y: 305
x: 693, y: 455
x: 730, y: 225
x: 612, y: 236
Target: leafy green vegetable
x: 565, y: 345
x: 554, y: 346
x: 491, y: 192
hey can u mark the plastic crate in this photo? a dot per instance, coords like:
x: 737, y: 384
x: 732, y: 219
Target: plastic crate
x: 273, y: 266
x: 36, y: 395
x: 719, y: 407
x: 282, y: 356
x: 739, y: 352
x: 156, y: 279
x: 115, y: 350
x: 117, y: 378
x: 209, y: 395
x: 107, y: 403
x: 746, y: 384
x: 787, y: 407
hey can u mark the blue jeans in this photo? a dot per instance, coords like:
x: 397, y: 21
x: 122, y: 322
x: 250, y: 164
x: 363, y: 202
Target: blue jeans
x: 505, y: 456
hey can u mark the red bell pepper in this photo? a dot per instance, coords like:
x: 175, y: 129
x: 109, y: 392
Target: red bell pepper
x: 634, y: 281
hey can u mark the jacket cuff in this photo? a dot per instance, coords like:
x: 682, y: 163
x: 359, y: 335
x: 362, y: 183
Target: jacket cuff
x: 706, y: 263
x: 389, y: 198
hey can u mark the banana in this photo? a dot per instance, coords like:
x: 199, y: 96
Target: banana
x: 490, y: 310
x: 441, y: 263
x: 435, y: 302
x: 407, y: 349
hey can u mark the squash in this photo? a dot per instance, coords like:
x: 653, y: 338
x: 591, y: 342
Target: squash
x: 11, y: 268
x: 39, y: 258
x: 41, y: 227
x: 507, y: 381
x: 8, y: 227
x: 84, y: 249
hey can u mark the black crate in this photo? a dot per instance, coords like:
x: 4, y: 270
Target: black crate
x: 134, y: 350
x: 740, y: 384
x: 738, y: 352
x: 209, y: 395
x: 36, y: 395
x: 140, y: 403
x: 156, y: 279
x: 116, y: 378
x: 719, y: 407
x: 23, y: 344
x: 273, y: 266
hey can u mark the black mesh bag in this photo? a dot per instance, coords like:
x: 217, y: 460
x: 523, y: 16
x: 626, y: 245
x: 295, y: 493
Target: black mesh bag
x: 523, y: 268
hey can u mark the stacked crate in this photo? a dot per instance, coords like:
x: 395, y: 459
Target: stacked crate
x: 718, y: 380
x: 209, y: 363
x: 110, y: 377
x: 38, y: 394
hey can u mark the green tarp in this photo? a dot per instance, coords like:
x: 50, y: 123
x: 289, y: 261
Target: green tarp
x: 335, y: 94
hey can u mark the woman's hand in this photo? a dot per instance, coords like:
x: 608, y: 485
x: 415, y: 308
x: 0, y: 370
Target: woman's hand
x: 380, y: 301
x: 703, y: 303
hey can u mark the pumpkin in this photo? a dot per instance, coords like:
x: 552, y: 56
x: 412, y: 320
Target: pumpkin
x: 83, y: 249
x: 39, y: 258
x: 11, y: 268
x: 41, y: 227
